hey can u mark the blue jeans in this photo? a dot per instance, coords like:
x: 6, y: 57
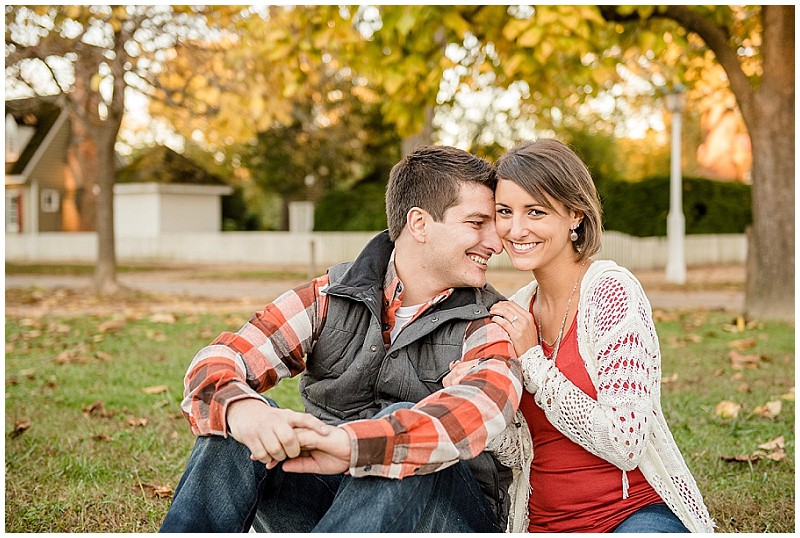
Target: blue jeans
x: 653, y: 518
x: 223, y: 491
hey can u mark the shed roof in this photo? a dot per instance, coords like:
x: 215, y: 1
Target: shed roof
x: 164, y: 165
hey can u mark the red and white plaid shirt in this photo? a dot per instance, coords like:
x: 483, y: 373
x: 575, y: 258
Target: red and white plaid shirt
x: 451, y: 424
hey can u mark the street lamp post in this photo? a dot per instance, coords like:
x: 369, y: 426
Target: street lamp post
x: 675, y: 101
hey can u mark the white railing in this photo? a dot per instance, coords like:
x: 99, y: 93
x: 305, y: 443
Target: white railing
x: 322, y: 249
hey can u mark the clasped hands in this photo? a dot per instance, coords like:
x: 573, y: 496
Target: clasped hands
x: 303, y: 442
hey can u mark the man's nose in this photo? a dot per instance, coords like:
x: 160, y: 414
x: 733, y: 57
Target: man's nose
x: 492, y: 240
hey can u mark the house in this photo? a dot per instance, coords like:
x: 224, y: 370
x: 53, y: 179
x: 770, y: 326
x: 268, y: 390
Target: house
x: 37, y: 185
x: 159, y: 192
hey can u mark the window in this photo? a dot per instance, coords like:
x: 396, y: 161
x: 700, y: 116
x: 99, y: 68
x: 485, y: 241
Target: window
x: 50, y: 200
x: 13, y: 214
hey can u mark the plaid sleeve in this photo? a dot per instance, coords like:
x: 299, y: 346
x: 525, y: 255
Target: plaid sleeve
x: 269, y: 347
x: 451, y: 424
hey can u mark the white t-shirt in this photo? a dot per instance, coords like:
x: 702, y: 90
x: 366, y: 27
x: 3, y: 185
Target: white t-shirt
x: 402, y: 316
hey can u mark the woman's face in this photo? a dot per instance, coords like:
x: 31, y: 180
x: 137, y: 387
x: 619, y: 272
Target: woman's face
x: 533, y: 235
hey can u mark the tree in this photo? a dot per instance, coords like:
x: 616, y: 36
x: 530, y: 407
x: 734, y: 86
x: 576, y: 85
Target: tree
x: 765, y: 95
x: 90, y: 56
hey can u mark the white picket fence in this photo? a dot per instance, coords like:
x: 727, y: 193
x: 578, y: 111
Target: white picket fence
x: 322, y: 249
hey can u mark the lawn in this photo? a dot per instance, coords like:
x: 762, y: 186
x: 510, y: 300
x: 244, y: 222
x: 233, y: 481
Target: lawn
x: 95, y: 439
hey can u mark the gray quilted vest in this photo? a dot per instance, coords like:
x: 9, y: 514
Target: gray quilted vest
x: 350, y: 375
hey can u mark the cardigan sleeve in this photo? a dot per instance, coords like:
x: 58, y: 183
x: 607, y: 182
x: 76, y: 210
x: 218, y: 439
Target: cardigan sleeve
x: 618, y: 328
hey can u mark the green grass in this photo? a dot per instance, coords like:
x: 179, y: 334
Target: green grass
x: 74, y: 472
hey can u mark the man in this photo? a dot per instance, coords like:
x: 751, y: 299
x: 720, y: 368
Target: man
x: 383, y: 446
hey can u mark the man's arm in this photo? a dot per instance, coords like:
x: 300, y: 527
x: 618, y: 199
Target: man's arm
x: 238, y: 366
x: 451, y: 424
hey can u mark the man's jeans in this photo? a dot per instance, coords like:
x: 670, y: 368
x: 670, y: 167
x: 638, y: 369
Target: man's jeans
x: 222, y: 490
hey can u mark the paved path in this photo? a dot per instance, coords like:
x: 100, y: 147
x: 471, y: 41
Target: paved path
x: 715, y: 288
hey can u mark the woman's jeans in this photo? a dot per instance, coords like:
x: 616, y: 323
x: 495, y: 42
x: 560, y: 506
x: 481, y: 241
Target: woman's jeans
x: 652, y: 518
x: 222, y: 490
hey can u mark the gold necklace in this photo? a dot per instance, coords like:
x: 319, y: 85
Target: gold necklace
x: 557, y: 343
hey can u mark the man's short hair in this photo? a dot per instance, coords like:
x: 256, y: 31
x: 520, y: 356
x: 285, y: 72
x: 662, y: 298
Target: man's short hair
x: 430, y: 178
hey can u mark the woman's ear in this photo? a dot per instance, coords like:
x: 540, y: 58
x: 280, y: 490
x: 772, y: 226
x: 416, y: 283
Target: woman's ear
x: 416, y: 223
x: 577, y: 217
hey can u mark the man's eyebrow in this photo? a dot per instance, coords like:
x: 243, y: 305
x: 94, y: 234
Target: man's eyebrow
x: 478, y: 215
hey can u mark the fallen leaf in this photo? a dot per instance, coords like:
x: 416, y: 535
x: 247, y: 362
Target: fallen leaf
x: 789, y: 395
x: 739, y: 361
x: 9, y: 348
x: 111, y: 325
x: 745, y: 343
x: 769, y: 410
x: 28, y: 372
x: 156, y: 389
x: 137, y: 421
x: 728, y: 409
x: 737, y: 376
x: 163, y: 318
x: 101, y: 437
x: 19, y: 427
x: 743, y: 387
x: 778, y: 442
x: 160, y: 492
x: 12, y: 380
x: 96, y: 409
x: 103, y: 356
x: 669, y: 380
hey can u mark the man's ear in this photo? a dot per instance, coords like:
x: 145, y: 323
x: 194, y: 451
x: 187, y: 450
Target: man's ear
x: 417, y: 224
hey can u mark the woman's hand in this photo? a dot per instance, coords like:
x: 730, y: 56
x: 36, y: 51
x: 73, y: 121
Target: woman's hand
x: 518, y: 323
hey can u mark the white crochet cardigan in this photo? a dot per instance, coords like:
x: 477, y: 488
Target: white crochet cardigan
x: 625, y: 425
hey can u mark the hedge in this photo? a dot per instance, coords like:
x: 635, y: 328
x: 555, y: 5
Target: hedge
x: 709, y: 207
x: 635, y: 208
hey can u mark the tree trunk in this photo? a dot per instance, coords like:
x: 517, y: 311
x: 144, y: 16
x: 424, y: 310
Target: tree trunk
x: 105, y: 275
x: 82, y: 162
x: 769, y: 291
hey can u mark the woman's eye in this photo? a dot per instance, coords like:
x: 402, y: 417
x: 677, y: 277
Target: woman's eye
x: 503, y: 211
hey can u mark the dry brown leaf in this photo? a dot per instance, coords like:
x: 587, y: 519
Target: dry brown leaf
x: 20, y: 427
x: 769, y: 410
x: 28, y: 372
x: 777, y: 443
x: 137, y: 421
x: 12, y: 380
x: 111, y: 325
x: 737, y: 376
x: 163, y: 317
x: 159, y: 492
x: 96, y: 409
x: 9, y: 348
x: 669, y: 380
x: 156, y: 389
x: 728, y: 409
x: 101, y: 437
x: 743, y: 387
x: 745, y: 343
x: 103, y: 356
x: 789, y: 396
x: 739, y: 361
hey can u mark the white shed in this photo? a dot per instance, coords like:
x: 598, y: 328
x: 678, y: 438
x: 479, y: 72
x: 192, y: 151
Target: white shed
x: 152, y: 209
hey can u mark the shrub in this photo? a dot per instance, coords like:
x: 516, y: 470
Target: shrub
x: 362, y: 208
x: 709, y: 207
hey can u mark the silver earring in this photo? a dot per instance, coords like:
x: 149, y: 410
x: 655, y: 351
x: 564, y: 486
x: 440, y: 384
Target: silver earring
x: 574, y: 235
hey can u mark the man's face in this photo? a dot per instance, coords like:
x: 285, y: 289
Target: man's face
x: 460, y: 246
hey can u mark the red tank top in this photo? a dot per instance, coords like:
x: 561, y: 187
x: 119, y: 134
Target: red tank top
x: 572, y: 489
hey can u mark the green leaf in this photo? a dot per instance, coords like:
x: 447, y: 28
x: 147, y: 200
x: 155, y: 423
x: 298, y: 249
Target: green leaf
x: 532, y: 37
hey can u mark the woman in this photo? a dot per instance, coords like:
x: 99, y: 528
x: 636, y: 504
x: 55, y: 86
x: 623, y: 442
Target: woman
x: 601, y: 457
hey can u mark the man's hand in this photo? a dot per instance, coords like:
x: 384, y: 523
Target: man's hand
x: 322, y: 454
x: 270, y: 433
